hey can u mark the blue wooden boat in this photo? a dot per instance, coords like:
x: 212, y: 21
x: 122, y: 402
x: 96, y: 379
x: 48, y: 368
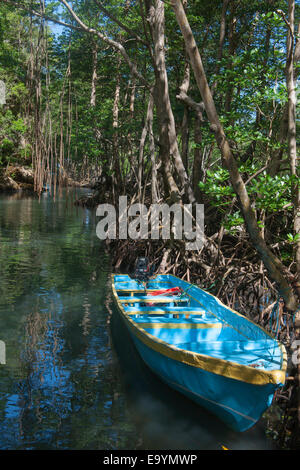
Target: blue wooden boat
x: 198, y: 346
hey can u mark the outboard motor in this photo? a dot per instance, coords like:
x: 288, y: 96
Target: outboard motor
x: 142, y: 270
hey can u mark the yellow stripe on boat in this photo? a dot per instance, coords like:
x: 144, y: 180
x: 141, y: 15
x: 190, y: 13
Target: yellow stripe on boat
x: 135, y: 291
x: 163, y: 312
x: 158, y: 300
x: 176, y: 326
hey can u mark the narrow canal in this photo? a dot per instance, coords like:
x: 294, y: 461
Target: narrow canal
x: 72, y: 378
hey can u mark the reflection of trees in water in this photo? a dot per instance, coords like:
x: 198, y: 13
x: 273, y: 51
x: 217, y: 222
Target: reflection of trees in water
x: 45, y: 391
x: 38, y: 247
x: 62, y: 386
x: 35, y: 328
x: 86, y: 320
x: 70, y: 394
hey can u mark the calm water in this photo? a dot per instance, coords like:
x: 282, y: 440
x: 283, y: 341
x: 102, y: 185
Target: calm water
x: 72, y: 379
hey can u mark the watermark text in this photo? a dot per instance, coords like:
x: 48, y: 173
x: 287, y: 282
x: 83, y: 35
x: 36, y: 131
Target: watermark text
x: 178, y: 221
x: 2, y: 353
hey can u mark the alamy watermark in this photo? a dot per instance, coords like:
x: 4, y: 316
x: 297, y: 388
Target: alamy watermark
x: 179, y: 221
x: 2, y: 353
x: 296, y: 352
x: 2, y: 92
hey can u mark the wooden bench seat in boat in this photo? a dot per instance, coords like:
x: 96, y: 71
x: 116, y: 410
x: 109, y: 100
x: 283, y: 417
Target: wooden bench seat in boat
x: 162, y: 310
x: 181, y: 330
x: 153, y: 299
x: 134, y: 291
x: 128, y: 286
x: 162, y: 322
x: 179, y: 325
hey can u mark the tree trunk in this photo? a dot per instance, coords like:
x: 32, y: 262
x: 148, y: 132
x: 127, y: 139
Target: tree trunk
x: 221, y: 41
x: 292, y: 149
x: 168, y: 137
x: 185, y: 121
x: 232, y: 49
x: 272, y: 263
x: 116, y: 163
x: 94, y: 73
x: 146, y: 129
x: 198, y: 158
x: 185, y: 137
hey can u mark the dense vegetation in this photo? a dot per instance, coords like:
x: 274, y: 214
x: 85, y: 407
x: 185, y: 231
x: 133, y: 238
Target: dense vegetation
x: 117, y: 93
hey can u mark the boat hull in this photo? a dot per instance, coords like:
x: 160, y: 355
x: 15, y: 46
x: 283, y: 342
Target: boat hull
x: 238, y: 404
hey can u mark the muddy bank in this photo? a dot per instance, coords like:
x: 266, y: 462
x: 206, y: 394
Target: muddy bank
x: 15, y: 178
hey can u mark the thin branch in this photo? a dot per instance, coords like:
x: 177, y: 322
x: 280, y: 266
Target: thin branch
x: 83, y: 27
x: 116, y: 45
x: 40, y: 15
x: 119, y: 23
x: 197, y: 107
x: 286, y: 22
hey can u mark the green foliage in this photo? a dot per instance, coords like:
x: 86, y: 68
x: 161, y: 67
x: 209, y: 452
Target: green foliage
x: 251, y: 73
x: 19, y: 126
x: 269, y: 194
x: 233, y: 221
x: 218, y: 188
x: 293, y: 239
x: 13, y: 70
x: 6, y: 146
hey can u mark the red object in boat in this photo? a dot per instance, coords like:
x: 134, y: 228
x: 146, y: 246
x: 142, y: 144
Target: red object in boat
x: 172, y: 291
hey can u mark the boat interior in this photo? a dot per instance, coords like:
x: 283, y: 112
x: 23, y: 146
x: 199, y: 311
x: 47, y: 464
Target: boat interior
x: 186, y: 323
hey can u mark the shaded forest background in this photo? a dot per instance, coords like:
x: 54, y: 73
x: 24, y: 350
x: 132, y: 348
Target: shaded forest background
x: 113, y: 95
